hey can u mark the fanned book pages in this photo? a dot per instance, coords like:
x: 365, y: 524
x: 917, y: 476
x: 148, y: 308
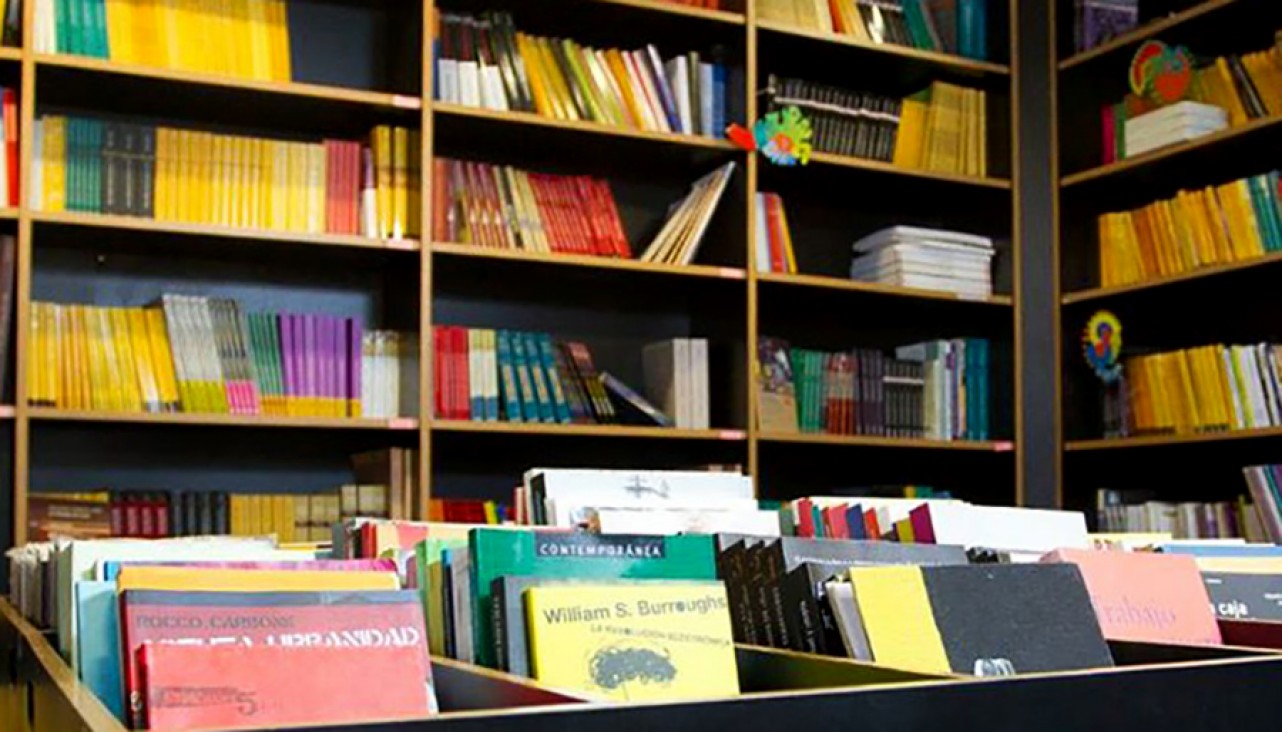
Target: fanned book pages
x: 682, y: 234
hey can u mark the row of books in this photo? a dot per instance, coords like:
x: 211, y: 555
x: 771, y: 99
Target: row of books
x: 1096, y: 22
x: 1203, y: 389
x: 10, y: 124
x: 1245, y: 88
x: 11, y: 17
x: 206, y: 355
x: 1116, y: 513
x: 1265, y: 484
x: 937, y: 390
x: 927, y: 259
x: 244, y: 38
x: 946, y: 26
x: 772, y: 239
x: 498, y: 206
x: 1233, y: 222
x: 943, y: 128
x: 515, y: 376
x: 334, y: 186
x: 483, y: 61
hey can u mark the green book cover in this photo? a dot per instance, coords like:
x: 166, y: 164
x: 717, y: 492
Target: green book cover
x: 507, y: 377
x: 427, y: 555
x: 97, y: 20
x: 496, y: 552
x: 93, y: 166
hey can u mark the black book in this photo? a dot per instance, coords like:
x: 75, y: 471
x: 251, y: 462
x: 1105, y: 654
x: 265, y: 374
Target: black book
x: 447, y: 610
x: 731, y: 559
x: 177, y: 518
x: 222, y: 518
x: 761, y: 576
x: 144, y: 178
x: 1250, y: 96
x: 801, y: 595
x: 1240, y: 596
x: 114, y: 163
x: 191, y: 513
x: 789, y: 552
x: 894, y: 107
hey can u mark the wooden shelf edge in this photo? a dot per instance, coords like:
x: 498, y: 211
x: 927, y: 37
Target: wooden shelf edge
x: 1117, y: 443
x: 283, y: 88
x: 402, y: 424
x: 809, y: 438
x: 1098, y: 293
x: 671, y: 8
x: 1148, y: 158
x: 9, y: 53
x: 538, y: 120
x: 877, y: 166
x: 948, y: 60
x: 132, y: 223
x: 1144, y: 32
x: 9, y: 213
x: 584, y: 430
x: 586, y: 261
x: 836, y: 283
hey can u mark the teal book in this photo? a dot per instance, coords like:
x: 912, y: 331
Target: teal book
x: 98, y: 29
x: 98, y: 643
x: 524, y: 379
x: 547, y: 355
x: 507, y: 378
x: 1269, y: 187
x: 565, y: 555
x: 1267, y: 210
x: 540, y: 376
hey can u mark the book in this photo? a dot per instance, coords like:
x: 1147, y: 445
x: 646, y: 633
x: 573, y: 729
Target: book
x: 676, y: 378
x: 1020, y: 530
x: 287, y: 686
x: 98, y: 647
x: 927, y: 259
x: 772, y: 239
x: 678, y: 240
x: 287, y: 620
x: 776, y: 390
x: 1097, y: 21
x: 559, y: 496
x: 633, y: 643
x: 494, y: 553
x: 1147, y: 597
x: 981, y: 620
x: 624, y: 395
x: 1129, y: 511
x: 930, y: 25
x: 1239, y: 595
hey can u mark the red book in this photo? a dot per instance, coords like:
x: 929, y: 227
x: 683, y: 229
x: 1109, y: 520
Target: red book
x: 601, y: 245
x: 353, y: 187
x: 441, y: 200
x: 133, y: 522
x: 806, y: 518
x: 10, y: 103
x: 618, y: 235
x: 578, y: 213
x: 923, y: 529
x: 331, y: 187
x: 835, y: 523
x: 1108, y: 123
x: 774, y: 230
x: 440, y: 389
x: 870, y: 524
x: 462, y: 389
x: 216, y: 687
x: 551, y: 222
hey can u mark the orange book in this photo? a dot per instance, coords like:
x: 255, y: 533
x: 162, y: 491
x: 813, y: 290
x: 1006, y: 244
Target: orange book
x: 1158, y: 598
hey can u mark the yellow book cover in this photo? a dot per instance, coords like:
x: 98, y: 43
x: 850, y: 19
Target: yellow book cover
x: 182, y: 175
x: 239, y: 203
x: 194, y: 579
x: 1107, y: 248
x: 908, y: 144
x: 162, y: 360
x: 382, y: 152
x: 277, y: 169
x: 126, y: 365
x: 1219, y: 230
x: 54, y: 155
x: 36, y: 393
x: 112, y: 378
x: 77, y: 391
x: 170, y: 39
x: 242, y: 39
x: 400, y: 182
x: 260, y: 40
x: 96, y: 396
x: 1185, y: 259
x: 1239, y: 387
x: 140, y: 348
x: 983, y: 134
x: 1217, y: 361
x: 161, y: 196
x: 191, y: 47
x: 557, y: 81
x: 146, y: 32
x: 236, y: 515
x: 120, y: 44
x: 61, y: 329
x: 898, y: 618
x: 282, y: 69
x: 1259, y: 68
x: 1210, y: 365
x: 965, y: 158
x: 1187, y: 214
x: 633, y: 642
x: 1237, y: 111
x: 904, y: 531
x: 297, y: 187
x: 1193, y: 417
x: 1234, y: 221
x: 1250, y: 222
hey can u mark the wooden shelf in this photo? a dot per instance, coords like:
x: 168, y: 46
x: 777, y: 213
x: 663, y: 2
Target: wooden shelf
x: 8, y: 53
x: 537, y: 120
x: 8, y: 213
x: 133, y: 223
x: 894, y: 442
x: 279, y: 88
x: 877, y: 166
x: 585, y: 430
x: 1098, y: 293
x: 224, y: 420
x: 1144, y: 32
x: 943, y: 60
x: 473, y: 251
x: 834, y: 283
x: 671, y: 8
x: 1117, y: 443
x: 1166, y: 153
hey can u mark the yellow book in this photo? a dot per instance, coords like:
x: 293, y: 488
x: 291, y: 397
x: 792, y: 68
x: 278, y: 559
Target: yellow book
x: 281, y: 69
x: 62, y: 326
x: 161, y: 195
x: 236, y: 515
x: 260, y: 40
x: 414, y: 217
x: 54, y: 163
x: 1193, y: 418
x: 557, y: 81
x: 383, y: 179
x: 129, y: 395
x: 144, y: 32
x: 912, y: 123
x: 140, y: 349
x: 120, y: 28
x: 400, y: 182
x: 1211, y: 389
x: 1234, y: 221
x: 191, y: 46
x: 679, y: 634
x: 170, y: 40
x: 36, y: 395
x: 612, y: 63
x: 1219, y: 229
x: 182, y: 175
x: 1251, y: 224
x: 898, y: 618
x: 76, y: 379
x: 1236, y: 110
x: 192, y: 579
x: 542, y: 102
x: 161, y: 359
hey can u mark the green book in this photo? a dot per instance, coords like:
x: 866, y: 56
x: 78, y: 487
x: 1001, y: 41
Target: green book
x: 427, y: 556
x: 497, y: 552
x: 62, y: 10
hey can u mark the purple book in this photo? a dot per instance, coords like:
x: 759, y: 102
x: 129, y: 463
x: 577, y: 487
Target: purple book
x: 355, y: 340
x: 284, y: 321
x: 324, y: 364
x: 309, y: 362
x: 341, y: 349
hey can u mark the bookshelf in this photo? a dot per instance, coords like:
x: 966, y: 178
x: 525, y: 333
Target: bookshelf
x: 377, y: 76
x: 1220, y: 303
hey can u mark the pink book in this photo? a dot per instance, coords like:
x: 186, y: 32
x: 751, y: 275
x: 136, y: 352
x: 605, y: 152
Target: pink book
x: 308, y: 353
x: 324, y: 363
x: 923, y: 529
x: 1142, y: 596
x: 111, y: 570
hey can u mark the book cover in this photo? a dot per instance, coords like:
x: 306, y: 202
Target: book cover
x: 630, y: 643
x: 495, y: 553
x: 1245, y: 595
x: 286, y: 620
x: 776, y: 391
x: 208, y: 687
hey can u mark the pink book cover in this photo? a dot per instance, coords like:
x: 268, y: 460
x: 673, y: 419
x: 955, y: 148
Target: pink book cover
x: 1143, y: 596
x: 923, y: 529
x: 325, y: 361
x: 310, y: 372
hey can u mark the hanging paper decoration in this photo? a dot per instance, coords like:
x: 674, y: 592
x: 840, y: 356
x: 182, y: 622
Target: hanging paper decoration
x: 1161, y: 73
x: 782, y: 136
x: 1102, y: 346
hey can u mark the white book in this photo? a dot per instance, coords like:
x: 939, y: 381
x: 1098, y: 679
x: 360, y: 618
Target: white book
x: 1181, y: 113
x: 701, y: 419
x: 475, y: 356
x: 1137, y: 145
x: 469, y: 80
x: 841, y: 598
x: 37, y: 196
x: 650, y: 120
x: 761, y: 236
x: 447, y: 69
x: 748, y: 520
x: 1003, y: 528
x: 662, y: 378
x: 1253, y: 375
x: 678, y: 72
x: 909, y: 234
x: 684, y: 415
x: 1264, y: 366
x: 640, y: 67
x: 491, y: 368
x: 706, y: 101
x: 563, y: 490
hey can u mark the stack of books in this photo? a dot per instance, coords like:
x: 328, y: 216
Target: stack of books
x: 251, y: 40
x: 1232, y: 222
x: 1265, y: 483
x: 927, y: 259
x: 486, y: 375
x: 206, y: 355
x: 958, y: 26
x: 483, y: 61
x: 1204, y: 389
x: 1172, y: 125
x: 772, y: 239
x: 942, y: 129
x: 1117, y: 512
x: 368, y: 188
x: 937, y: 390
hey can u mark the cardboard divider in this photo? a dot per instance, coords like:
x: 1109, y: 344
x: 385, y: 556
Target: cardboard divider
x: 1264, y: 634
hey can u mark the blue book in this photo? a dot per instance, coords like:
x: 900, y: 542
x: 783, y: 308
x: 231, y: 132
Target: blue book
x: 719, y: 100
x: 967, y: 27
x: 707, y: 115
x: 1266, y: 185
x: 985, y: 391
x: 654, y: 65
x: 855, y: 522
x: 547, y: 356
x: 1222, y: 550
x: 511, y: 393
x: 98, y: 643
x: 524, y: 380
x: 540, y: 376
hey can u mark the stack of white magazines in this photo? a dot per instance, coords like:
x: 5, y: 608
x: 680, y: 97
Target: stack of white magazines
x: 927, y: 259
x: 1171, y: 125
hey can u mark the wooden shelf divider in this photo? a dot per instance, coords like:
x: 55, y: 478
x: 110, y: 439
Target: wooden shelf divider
x: 537, y: 120
x: 1216, y: 270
